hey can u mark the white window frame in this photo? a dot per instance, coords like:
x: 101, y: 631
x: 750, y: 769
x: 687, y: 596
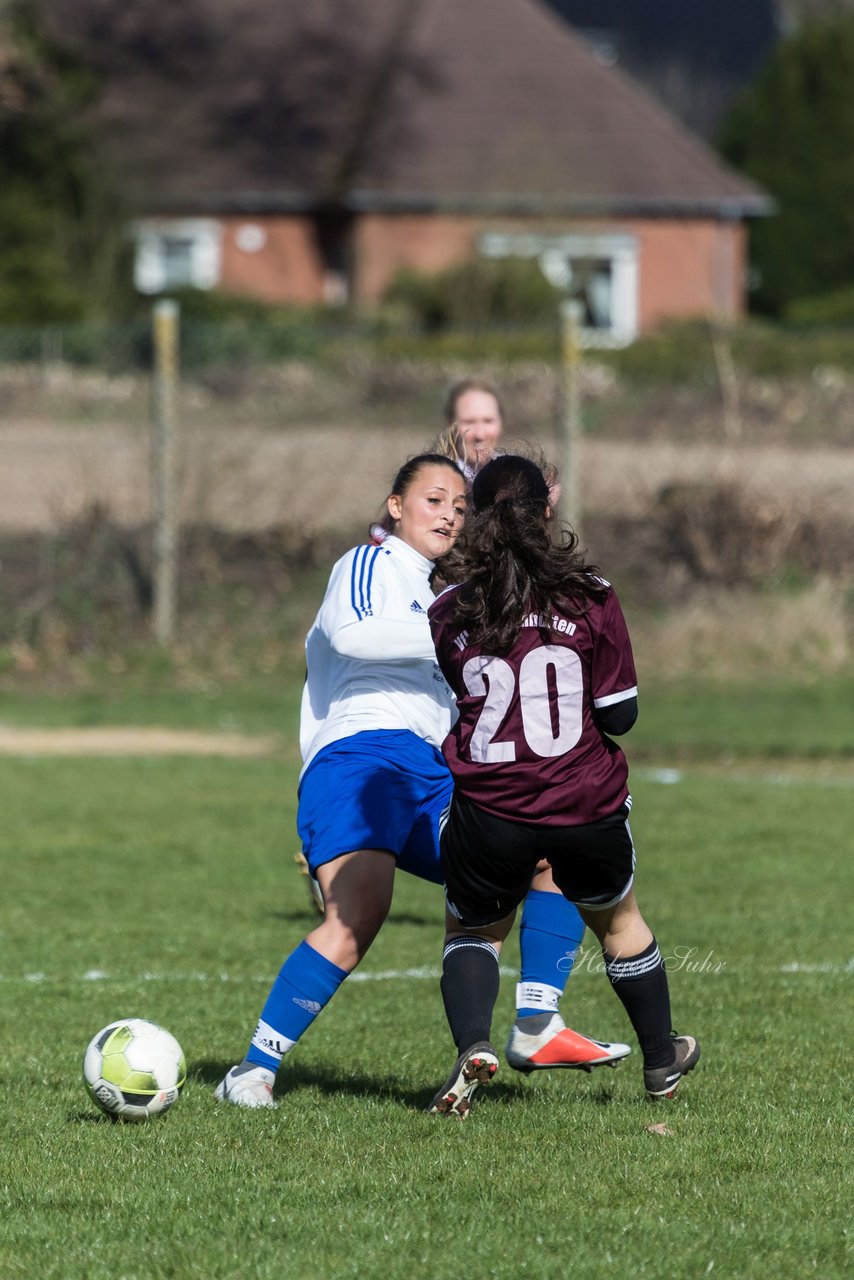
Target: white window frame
x: 555, y: 253
x: 151, y: 236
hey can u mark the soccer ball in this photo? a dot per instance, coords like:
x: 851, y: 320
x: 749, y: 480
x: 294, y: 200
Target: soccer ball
x: 134, y: 1069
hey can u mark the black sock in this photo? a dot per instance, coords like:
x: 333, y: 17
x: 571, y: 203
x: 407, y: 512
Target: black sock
x: 641, y: 983
x: 469, y: 989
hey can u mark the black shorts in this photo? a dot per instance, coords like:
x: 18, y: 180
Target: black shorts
x: 488, y: 862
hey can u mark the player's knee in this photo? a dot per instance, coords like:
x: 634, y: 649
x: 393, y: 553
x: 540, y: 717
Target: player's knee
x: 349, y: 932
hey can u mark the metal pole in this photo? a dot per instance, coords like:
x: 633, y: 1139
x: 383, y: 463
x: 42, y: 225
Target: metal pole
x: 164, y: 467
x: 569, y: 427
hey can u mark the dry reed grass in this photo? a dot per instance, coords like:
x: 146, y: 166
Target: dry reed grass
x: 720, y: 634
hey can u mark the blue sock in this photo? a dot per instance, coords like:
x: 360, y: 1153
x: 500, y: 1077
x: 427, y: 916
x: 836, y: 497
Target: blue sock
x: 307, y: 981
x: 549, y: 937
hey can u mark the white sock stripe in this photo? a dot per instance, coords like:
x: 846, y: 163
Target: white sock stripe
x: 631, y: 962
x: 456, y: 943
x: 621, y: 971
x: 537, y: 995
x: 634, y: 967
x: 271, y: 1041
x: 480, y: 944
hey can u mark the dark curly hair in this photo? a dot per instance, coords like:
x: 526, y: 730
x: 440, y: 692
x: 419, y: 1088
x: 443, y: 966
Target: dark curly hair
x: 511, y: 564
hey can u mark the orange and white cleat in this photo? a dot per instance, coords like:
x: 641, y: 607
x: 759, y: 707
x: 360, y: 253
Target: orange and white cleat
x: 555, y: 1045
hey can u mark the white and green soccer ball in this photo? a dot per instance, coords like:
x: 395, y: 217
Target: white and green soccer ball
x: 134, y: 1069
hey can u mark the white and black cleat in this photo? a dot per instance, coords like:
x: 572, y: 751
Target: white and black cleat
x: 477, y: 1066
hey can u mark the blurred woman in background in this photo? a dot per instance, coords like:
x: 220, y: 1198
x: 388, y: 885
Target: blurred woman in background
x: 474, y: 423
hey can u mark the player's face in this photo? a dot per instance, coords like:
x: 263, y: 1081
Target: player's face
x: 479, y: 424
x: 429, y: 516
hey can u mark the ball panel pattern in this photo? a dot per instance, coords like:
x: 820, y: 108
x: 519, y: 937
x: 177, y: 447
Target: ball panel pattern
x: 134, y: 1069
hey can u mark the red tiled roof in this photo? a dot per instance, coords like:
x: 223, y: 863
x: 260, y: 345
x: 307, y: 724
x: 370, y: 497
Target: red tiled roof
x: 402, y: 104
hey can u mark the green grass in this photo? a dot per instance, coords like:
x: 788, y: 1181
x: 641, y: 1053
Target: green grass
x: 170, y: 884
x: 266, y: 706
x: 763, y: 717
x: 686, y: 720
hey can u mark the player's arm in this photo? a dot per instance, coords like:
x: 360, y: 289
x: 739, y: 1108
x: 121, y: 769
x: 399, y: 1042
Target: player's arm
x: 614, y: 679
x: 384, y: 640
x: 357, y: 615
x: 617, y: 718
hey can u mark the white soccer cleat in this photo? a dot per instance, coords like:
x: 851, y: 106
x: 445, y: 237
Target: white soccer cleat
x: 473, y: 1068
x: 249, y: 1089
x: 558, y: 1046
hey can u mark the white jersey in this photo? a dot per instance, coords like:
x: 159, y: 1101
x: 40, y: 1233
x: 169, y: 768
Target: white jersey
x: 370, y: 655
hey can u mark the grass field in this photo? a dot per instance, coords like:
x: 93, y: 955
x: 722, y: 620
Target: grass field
x: 164, y: 888
x: 762, y: 718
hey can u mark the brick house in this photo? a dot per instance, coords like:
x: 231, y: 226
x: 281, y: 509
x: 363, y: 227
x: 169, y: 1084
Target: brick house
x: 375, y: 135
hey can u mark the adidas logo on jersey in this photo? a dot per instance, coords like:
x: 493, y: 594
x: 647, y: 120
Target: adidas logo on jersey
x: 416, y: 607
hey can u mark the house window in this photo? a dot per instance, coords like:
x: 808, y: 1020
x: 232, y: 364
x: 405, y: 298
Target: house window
x: 600, y: 271
x: 174, y: 254
x: 176, y: 260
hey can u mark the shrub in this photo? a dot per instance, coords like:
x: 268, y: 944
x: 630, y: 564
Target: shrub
x: 227, y: 328
x: 476, y: 294
x: 833, y: 308
x: 793, y: 131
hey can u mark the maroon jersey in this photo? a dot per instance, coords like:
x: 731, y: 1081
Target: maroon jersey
x: 526, y: 746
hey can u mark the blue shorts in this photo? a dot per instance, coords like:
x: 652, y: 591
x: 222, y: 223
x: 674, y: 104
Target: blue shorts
x: 381, y: 789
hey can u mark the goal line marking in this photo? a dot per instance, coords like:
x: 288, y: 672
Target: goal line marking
x: 422, y: 973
